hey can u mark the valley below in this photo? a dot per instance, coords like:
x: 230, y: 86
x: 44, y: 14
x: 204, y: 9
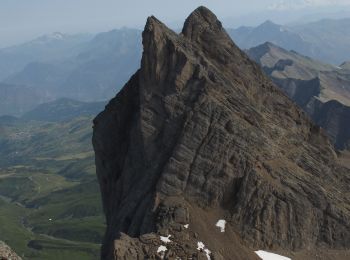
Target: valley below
x: 50, y: 199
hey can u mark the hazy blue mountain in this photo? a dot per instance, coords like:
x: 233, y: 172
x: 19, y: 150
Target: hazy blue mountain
x: 330, y: 39
x: 43, y: 76
x: 50, y: 47
x: 247, y: 37
x: 63, y: 109
x: 104, y: 65
x: 95, y: 72
x: 327, y: 40
x: 17, y: 99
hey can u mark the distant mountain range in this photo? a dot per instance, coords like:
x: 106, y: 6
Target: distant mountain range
x: 92, y: 72
x: 18, y: 99
x: 247, y: 37
x: 326, y: 40
x: 93, y: 68
x: 47, y: 48
x: 88, y: 70
x: 322, y: 90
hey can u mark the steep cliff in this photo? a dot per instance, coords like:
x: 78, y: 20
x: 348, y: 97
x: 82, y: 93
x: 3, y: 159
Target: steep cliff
x: 200, y: 134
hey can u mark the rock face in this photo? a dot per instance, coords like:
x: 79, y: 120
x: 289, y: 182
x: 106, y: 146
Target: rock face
x: 199, y: 134
x: 322, y: 90
x: 334, y: 117
x: 6, y: 253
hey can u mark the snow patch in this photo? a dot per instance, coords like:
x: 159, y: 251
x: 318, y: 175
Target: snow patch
x: 207, y: 252
x: 57, y: 36
x: 186, y: 226
x: 162, y: 249
x: 270, y: 256
x: 201, y: 247
x: 165, y: 239
x: 221, y: 224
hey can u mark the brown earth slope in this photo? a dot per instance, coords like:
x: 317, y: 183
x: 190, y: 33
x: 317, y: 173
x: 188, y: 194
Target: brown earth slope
x: 199, y: 134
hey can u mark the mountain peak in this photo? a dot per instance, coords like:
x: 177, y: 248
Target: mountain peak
x: 152, y: 22
x: 199, y: 21
x: 269, y: 23
x: 199, y: 131
x: 268, y: 46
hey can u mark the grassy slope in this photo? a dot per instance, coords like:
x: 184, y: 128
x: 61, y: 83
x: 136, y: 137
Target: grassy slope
x: 50, y: 207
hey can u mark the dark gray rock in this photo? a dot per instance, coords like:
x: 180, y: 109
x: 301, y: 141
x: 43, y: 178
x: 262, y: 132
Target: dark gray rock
x: 200, y: 133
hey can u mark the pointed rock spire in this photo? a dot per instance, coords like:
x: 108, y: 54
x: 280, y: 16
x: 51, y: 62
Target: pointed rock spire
x: 200, y: 21
x: 200, y: 125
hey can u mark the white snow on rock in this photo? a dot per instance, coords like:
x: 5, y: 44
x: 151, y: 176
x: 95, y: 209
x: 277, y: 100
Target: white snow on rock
x: 162, y: 249
x: 201, y: 247
x: 165, y: 239
x: 221, y: 224
x: 186, y: 226
x: 207, y: 252
x: 270, y: 256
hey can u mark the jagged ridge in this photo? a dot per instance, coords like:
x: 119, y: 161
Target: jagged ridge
x: 199, y: 128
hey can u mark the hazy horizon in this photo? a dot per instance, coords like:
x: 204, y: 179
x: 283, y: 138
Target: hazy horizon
x: 25, y: 20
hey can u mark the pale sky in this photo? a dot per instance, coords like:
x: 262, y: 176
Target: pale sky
x: 22, y: 20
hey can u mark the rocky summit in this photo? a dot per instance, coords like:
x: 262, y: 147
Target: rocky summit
x: 201, y: 156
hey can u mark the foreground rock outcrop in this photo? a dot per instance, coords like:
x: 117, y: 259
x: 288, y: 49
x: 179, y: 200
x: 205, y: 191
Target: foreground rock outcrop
x: 200, y: 134
x: 6, y: 253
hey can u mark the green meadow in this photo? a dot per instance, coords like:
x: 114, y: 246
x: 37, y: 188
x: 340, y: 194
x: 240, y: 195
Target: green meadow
x: 49, y: 196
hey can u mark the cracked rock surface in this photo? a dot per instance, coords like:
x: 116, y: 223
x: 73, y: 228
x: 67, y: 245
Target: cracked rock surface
x: 199, y: 134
